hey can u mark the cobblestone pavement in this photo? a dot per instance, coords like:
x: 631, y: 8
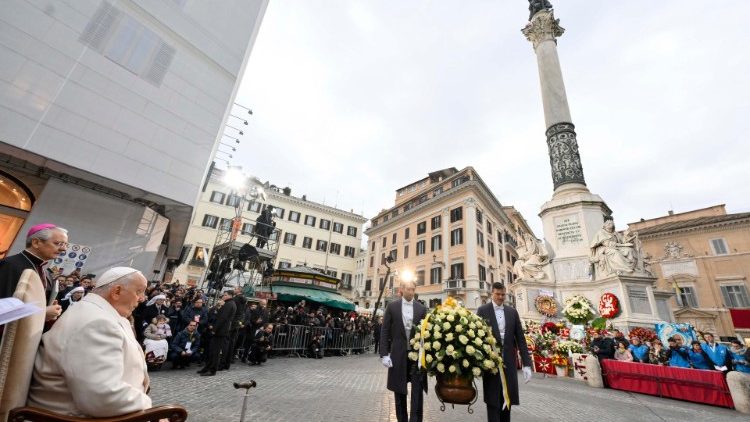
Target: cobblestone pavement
x: 353, y: 389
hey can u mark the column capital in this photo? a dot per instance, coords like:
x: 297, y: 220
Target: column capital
x: 543, y: 27
x: 470, y: 203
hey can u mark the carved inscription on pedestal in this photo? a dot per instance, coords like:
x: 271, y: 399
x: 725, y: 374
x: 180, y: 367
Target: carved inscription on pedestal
x: 669, y: 269
x: 571, y: 269
x: 568, y: 231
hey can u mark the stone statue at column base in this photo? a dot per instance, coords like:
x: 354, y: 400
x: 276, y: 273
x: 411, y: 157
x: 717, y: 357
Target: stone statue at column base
x: 532, y: 258
x: 612, y: 252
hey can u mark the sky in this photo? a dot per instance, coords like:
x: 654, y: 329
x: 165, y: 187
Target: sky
x: 354, y: 99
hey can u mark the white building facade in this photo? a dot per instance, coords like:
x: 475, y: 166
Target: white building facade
x: 311, y: 234
x: 110, y: 112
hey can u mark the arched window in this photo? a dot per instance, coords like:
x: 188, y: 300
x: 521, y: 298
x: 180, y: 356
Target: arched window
x: 15, y: 204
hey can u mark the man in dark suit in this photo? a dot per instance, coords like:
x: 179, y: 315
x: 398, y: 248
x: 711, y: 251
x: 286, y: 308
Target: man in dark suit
x: 220, y: 334
x: 401, y: 316
x: 507, y: 330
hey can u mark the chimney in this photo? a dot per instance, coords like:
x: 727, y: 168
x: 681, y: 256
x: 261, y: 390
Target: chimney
x: 287, y: 191
x: 671, y: 212
x: 304, y: 197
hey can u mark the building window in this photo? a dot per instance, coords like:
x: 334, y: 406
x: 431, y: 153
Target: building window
x: 735, y: 296
x: 639, y: 300
x: 436, y: 275
x: 349, y: 251
x: 719, y: 246
x: 322, y: 246
x: 384, y: 241
x: 294, y: 216
x: 489, y: 228
x: 307, y: 242
x: 279, y: 212
x: 479, y: 216
x: 437, y: 191
x: 420, y: 278
x: 332, y: 273
x: 310, y: 220
x: 335, y: 248
x: 490, y: 247
x: 346, y: 280
x: 247, y: 228
x: 457, y: 237
x: 372, y: 264
x: 482, y: 273
x: 226, y: 224
x: 480, y: 239
x: 394, y: 254
x: 233, y: 200
x: 436, y: 244
x: 421, y: 228
x: 325, y: 224
x: 393, y: 241
x: 217, y: 197
x: 338, y: 227
x: 406, y: 233
x: 373, y: 247
x: 435, y: 222
x: 420, y: 247
x: 254, y: 206
x: 290, y: 238
x: 210, y: 221
x: 406, y: 251
x: 457, y: 214
x: 351, y: 231
x: 284, y: 265
x: 457, y: 271
x: 687, y: 297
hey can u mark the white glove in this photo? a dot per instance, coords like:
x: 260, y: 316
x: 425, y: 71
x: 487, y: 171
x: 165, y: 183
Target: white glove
x: 526, y: 374
x: 387, y: 361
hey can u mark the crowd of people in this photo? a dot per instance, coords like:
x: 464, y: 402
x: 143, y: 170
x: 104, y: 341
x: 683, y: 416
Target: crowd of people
x: 707, y: 355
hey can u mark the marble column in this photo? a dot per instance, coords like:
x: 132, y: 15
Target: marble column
x: 471, y: 265
x: 565, y: 161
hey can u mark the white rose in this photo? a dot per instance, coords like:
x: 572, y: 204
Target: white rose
x: 471, y: 333
x: 449, y: 337
x: 446, y: 326
x: 463, y: 339
x: 470, y: 350
x: 450, y: 349
x: 489, y: 364
x: 473, y: 326
x: 450, y: 318
x: 478, y: 341
x: 452, y: 369
x: 481, y: 333
x: 413, y: 356
x: 438, y: 335
x: 427, y: 346
x: 428, y: 358
x: 459, y: 328
x: 426, y: 334
x: 465, y: 363
x: 476, y: 371
x: 487, y: 348
x: 436, y: 345
x: 440, y: 367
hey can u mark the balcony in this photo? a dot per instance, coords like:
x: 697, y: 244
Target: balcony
x: 455, y: 285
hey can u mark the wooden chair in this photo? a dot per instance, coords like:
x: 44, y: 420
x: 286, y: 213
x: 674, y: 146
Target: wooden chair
x: 17, y: 354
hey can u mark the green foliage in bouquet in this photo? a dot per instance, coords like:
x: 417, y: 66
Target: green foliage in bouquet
x: 454, y: 341
x: 578, y: 309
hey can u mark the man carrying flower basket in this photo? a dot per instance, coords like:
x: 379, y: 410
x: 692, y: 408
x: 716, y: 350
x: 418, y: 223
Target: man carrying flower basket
x: 507, y: 329
x: 401, y: 316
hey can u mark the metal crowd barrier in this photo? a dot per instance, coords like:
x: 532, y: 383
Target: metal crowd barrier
x: 294, y: 340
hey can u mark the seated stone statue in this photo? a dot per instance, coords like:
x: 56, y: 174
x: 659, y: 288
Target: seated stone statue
x: 532, y: 257
x: 611, y: 252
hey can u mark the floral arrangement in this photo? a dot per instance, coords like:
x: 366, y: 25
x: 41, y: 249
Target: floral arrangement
x: 454, y: 341
x: 609, y: 306
x: 559, y: 360
x: 539, y: 341
x: 578, y: 309
x: 567, y: 347
x: 645, y: 334
x: 546, y: 305
x: 550, y: 327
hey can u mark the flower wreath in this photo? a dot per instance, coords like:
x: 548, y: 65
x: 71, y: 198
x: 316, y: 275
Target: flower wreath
x: 578, y: 309
x: 609, y: 306
x: 546, y: 306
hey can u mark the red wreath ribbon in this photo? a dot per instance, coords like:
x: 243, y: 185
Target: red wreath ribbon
x: 609, y: 306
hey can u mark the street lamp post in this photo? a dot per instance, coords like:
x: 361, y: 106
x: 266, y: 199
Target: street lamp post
x: 388, y: 260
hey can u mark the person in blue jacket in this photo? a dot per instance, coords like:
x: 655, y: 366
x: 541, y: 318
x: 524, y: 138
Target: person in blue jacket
x: 638, y: 350
x: 678, y: 355
x: 718, y: 353
x: 698, y: 357
x: 740, y: 357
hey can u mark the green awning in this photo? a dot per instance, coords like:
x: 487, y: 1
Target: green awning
x: 295, y: 294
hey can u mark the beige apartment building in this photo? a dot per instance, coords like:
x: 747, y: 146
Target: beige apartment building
x: 704, y: 256
x: 450, y: 233
x: 312, y: 234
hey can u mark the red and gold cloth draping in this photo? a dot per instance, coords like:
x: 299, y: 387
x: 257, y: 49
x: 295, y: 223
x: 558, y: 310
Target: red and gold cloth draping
x: 740, y: 318
x: 696, y: 385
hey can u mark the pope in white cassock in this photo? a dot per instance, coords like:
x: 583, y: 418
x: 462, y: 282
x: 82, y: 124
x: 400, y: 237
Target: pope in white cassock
x: 90, y: 364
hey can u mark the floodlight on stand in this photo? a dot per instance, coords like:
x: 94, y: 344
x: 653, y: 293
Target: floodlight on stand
x: 407, y: 275
x: 244, y: 122
x: 238, y: 130
x: 234, y: 178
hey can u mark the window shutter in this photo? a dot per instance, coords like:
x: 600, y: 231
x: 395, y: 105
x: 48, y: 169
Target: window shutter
x: 160, y: 64
x: 725, y: 295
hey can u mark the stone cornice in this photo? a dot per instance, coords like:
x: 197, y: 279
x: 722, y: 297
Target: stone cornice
x: 477, y: 185
x: 703, y: 228
x: 317, y: 206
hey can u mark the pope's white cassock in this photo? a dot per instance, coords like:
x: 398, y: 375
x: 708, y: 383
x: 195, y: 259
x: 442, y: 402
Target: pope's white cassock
x: 90, y: 364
